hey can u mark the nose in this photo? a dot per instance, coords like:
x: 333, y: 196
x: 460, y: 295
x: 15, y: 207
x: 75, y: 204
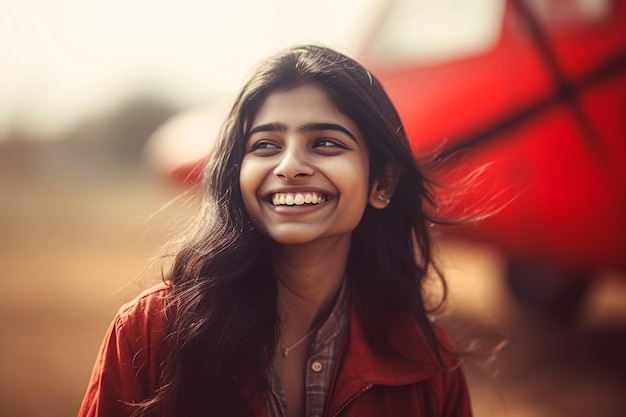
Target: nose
x: 293, y: 165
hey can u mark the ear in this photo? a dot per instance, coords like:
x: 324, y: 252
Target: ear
x: 383, y: 187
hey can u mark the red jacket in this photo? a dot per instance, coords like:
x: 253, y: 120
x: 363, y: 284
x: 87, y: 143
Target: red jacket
x: 365, y: 383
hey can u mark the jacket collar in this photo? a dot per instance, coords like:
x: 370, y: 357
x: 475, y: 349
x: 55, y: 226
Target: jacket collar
x: 360, y: 366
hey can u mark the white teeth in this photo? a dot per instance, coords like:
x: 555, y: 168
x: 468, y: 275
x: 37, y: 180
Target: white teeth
x: 297, y: 199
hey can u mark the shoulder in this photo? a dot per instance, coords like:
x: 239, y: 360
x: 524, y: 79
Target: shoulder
x: 128, y: 366
x: 450, y: 386
x: 446, y: 348
x: 145, y: 317
x: 149, y: 300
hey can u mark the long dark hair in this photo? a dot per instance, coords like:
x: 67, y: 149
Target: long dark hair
x: 223, y: 295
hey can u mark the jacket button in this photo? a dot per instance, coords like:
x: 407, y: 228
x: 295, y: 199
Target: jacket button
x: 316, y: 366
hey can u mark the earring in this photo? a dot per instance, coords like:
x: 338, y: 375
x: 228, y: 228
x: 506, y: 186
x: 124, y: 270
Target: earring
x: 381, y: 198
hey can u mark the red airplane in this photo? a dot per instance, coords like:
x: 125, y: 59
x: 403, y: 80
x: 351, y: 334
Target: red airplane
x: 540, y: 116
x: 531, y: 108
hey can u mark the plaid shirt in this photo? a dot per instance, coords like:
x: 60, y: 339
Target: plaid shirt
x: 321, y: 362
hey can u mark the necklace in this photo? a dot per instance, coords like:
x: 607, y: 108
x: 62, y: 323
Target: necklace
x: 287, y: 349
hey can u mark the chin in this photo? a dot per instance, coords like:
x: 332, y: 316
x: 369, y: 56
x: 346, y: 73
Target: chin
x: 291, y: 240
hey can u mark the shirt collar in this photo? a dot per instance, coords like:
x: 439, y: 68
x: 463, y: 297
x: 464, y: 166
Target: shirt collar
x: 336, y: 321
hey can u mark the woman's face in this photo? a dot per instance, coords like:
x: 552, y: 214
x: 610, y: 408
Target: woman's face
x: 304, y: 175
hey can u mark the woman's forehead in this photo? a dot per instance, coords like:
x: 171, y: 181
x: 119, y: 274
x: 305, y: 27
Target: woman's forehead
x: 300, y: 109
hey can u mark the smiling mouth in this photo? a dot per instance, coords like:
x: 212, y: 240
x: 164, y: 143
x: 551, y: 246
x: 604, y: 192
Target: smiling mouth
x: 297, y: 199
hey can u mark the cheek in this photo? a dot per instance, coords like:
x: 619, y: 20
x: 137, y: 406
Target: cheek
x: 356, y: 179
x: 248, y: 184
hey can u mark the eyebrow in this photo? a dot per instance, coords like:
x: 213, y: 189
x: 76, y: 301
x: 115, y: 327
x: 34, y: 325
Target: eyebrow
x: 308, y: 127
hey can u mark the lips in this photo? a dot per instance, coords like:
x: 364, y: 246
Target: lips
x: 297, y: 199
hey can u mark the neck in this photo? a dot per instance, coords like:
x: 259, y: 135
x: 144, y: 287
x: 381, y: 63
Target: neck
x: 309, y: 279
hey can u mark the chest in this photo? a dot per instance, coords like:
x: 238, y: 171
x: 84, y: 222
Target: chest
x: 300, y: 385
x: 291, y: 384
x: 416, y: 400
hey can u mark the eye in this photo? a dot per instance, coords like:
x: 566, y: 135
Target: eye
x: 327, y: 143
x: 263, y: 146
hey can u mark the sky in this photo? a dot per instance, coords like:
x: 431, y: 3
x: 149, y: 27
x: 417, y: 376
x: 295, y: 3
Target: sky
x: 64, y: 59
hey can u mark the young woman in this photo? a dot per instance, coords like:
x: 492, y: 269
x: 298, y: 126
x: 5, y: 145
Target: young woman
x: 300, y: 292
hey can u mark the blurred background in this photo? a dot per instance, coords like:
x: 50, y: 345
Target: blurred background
x: 106, y: 108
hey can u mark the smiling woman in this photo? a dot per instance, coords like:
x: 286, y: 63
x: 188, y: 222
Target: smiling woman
x: 300, y: 290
